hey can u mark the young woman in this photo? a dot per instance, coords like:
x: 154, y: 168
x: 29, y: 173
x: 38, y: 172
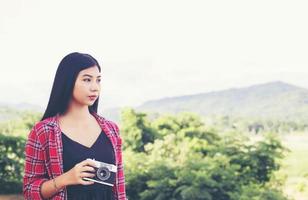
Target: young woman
x: 57, y: 164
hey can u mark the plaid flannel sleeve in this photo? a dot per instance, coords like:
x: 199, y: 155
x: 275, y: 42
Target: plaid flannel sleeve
x: 121, y: 193
x: 34, y: 169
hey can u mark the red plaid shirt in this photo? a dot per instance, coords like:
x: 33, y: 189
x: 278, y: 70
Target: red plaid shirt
x: 44, y: 161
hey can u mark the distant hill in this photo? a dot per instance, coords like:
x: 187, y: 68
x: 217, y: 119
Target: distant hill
x: 274, y: 100
x: 12, y: 111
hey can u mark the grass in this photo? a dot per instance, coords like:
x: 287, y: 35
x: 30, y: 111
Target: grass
x: 295, y: 165
x: 11, y: 197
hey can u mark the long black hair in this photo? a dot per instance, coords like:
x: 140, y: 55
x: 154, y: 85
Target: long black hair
x: 64, y: 82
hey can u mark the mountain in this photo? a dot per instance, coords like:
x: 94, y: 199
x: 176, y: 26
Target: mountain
x: 274, y: 100
x: 10, y: 111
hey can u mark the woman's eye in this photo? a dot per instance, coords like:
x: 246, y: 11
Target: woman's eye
x: 99, y: 80
x: 87, y: 80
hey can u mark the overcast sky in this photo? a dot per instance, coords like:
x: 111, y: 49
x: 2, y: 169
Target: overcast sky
x: 153, y: 49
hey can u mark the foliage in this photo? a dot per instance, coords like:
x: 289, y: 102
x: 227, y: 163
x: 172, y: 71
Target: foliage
x: 256, y: 125
x: 11, y: 163
x: 176, y: 157
x: 258, y: 192
x: 138, y: 130
x: 186, y: 161
x: 21, y: 125
x: 12, y: 143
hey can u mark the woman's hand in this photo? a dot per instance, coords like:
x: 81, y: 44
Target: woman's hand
x: 79, y: 171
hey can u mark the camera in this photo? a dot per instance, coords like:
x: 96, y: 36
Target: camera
x: 105, y: 173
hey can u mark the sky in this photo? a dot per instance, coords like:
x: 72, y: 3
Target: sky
x: 152, y: 49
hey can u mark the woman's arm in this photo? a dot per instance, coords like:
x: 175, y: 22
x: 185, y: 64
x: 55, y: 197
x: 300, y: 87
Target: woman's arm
x: 36, y: 183
x: 53, y: 186
x: 34, y: 170
x: 72, y: 177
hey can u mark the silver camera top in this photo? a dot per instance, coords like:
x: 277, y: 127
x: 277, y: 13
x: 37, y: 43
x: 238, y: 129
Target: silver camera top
x: 99, y: 164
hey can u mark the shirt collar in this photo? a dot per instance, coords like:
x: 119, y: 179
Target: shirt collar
x: 54, y: 121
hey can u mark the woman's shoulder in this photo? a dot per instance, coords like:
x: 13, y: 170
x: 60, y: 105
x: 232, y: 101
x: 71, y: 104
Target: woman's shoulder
x: 108, y: 122
x: 48, y: 122
x: 43, y: 126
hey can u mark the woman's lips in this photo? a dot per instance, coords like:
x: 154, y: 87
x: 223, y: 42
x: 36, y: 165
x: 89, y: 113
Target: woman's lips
x: 92, y: 97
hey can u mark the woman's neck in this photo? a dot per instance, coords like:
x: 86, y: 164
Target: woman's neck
x: 77, y: 113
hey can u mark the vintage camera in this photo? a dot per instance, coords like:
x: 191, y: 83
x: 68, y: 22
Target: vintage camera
x: 105, y: 173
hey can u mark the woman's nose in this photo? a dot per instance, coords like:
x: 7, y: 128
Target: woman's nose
x: 95, y: 86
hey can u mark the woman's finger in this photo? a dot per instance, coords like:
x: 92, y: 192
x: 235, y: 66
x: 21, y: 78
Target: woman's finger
x: 85, y: 174
x: 85, y: 182
x: 88, y: 168
x: 88, y: 162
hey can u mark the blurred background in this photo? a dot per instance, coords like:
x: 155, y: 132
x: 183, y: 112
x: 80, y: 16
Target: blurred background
x: 211, y: 96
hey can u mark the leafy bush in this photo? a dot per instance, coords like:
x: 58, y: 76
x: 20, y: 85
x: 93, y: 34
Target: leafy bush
x: 11, y: 163
x: 175, y: 157
x: 185, y: 161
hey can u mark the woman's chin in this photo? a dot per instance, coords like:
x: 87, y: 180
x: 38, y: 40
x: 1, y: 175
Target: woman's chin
x: 90, y: 103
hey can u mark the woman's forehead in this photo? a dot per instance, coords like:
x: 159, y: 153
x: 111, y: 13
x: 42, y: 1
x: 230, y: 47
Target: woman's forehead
x: 92, y: 71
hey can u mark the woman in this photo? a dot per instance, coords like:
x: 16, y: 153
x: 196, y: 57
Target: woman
x: 58, y: 147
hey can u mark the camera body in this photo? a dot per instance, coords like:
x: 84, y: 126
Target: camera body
x: 105, y: 173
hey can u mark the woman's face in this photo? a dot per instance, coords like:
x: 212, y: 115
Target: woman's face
x: 87, y: 86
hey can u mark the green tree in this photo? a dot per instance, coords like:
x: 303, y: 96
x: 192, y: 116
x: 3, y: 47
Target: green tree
x: 186, y: 161
x: 11, y: 163
x: 136, y: 130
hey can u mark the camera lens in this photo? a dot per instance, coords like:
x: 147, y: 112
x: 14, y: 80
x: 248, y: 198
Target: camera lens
x: 103, y: 173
